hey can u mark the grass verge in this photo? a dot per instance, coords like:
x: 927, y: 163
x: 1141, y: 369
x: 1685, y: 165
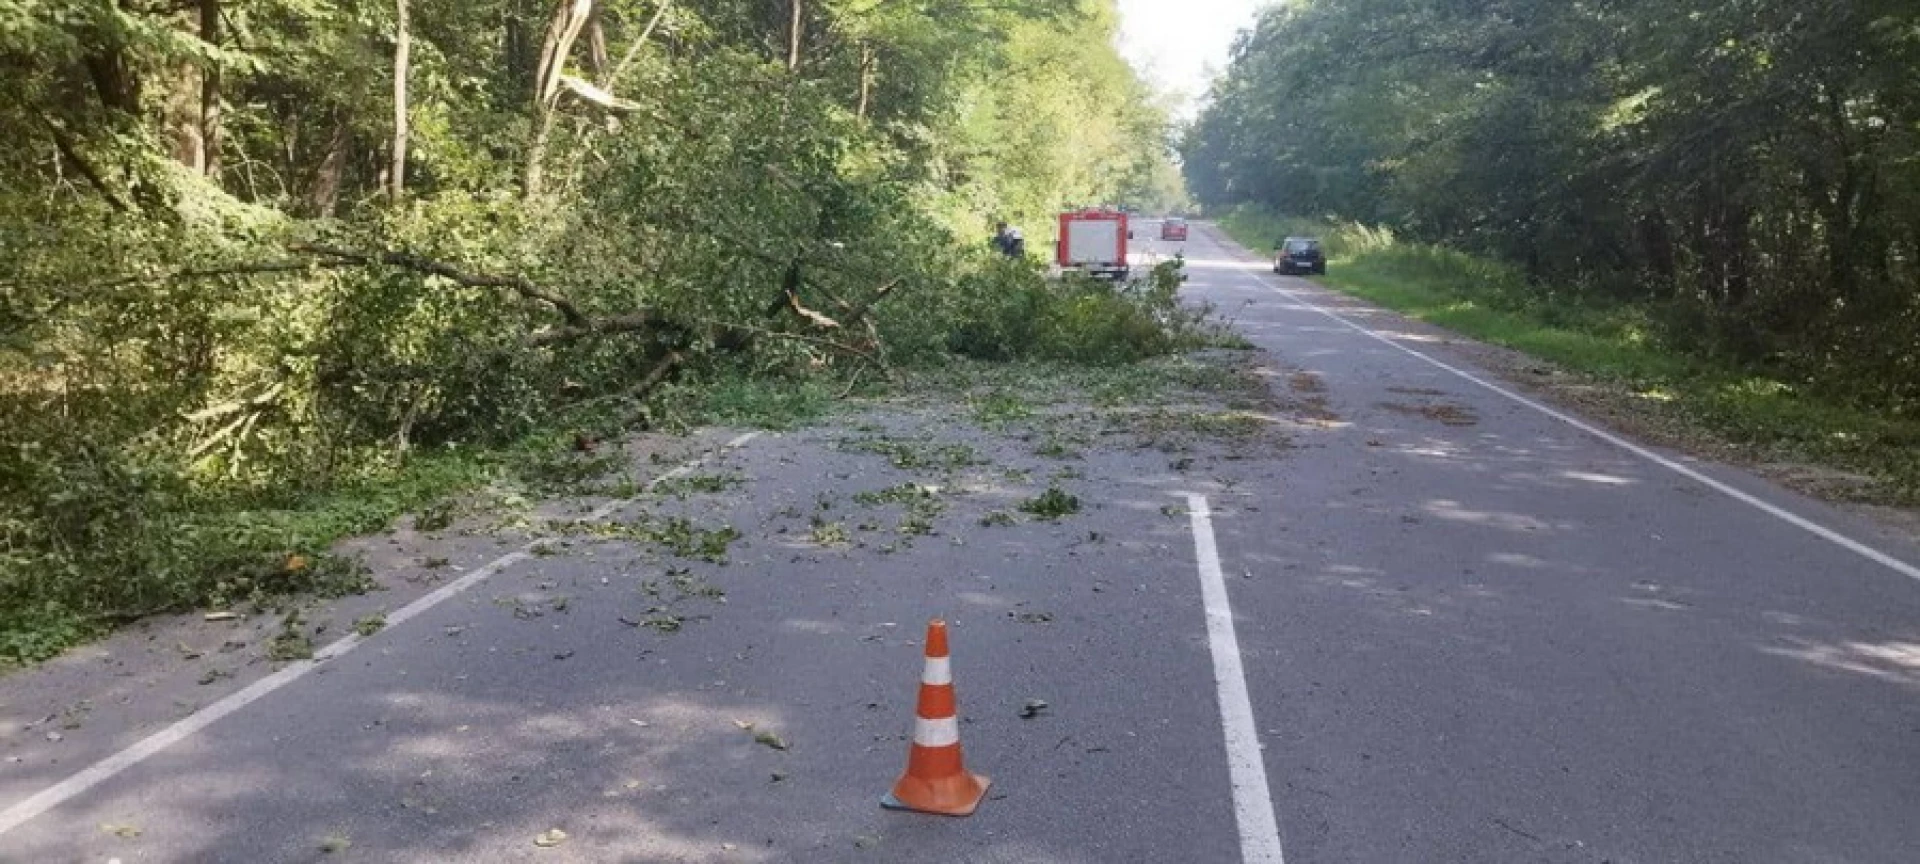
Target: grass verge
x: 1768, y: 418
x: 214, y: 551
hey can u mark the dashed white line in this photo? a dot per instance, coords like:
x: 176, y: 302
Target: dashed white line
x: 1796, y: 520
x: 99, y: 772
x: 1246, y: 768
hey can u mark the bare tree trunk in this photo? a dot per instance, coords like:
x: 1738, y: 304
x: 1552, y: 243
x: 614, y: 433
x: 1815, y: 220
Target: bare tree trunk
x: 866, y: 80
x: 180, y: 117
x: 793, y: 39
x: 568, y: 19
x: 114, y: 78
x: 537, y: 151
x: 402, y: 49
x: 597, y: 60
x: 210, y: 92
x: 517, y: 51
x: 324, y: 195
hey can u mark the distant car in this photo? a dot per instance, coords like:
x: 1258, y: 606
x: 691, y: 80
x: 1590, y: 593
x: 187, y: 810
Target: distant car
x: 1173, y: 229
x: 1299, y: 255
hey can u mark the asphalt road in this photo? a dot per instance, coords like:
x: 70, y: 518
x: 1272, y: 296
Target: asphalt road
x: 1440, y: 625
x: 1482, y: 634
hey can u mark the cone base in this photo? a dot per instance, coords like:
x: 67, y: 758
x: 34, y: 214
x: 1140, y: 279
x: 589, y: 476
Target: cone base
x: 949, y: 801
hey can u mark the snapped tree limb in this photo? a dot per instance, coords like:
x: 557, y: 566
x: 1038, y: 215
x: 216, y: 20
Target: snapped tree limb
x: 793, y: 302
x: 592, y: 95
x: 408, y: 261
x: 601, y: 326
x: 71, y: 150
x: 264, y: 398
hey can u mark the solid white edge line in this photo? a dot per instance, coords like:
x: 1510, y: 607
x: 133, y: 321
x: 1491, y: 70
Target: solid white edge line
x: 1823, y: 532
x: 1246, y: 766
x: 103, y: 770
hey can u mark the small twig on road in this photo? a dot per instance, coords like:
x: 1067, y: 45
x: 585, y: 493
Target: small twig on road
x: 1503, y: 823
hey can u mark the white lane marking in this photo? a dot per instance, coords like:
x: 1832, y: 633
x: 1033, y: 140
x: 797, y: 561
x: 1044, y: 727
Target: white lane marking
x: 1823, y: 532
x: 1246, y: 769
x: 99, y: 772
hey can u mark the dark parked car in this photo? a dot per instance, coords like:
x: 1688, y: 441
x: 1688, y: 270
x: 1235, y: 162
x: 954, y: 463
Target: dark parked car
x: 1299, y: 255
x: 1173, y: 229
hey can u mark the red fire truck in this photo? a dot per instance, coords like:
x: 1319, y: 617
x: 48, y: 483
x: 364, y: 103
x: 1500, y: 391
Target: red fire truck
x: 1094, y: 241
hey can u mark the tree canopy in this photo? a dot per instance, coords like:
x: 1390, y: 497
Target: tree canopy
x: 254, y: 249
x: 1749, y: 169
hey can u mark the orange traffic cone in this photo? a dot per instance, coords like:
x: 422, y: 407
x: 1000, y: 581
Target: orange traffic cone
x: 937, y: 780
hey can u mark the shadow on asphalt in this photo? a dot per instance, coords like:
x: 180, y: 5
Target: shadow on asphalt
x: 659, y: 707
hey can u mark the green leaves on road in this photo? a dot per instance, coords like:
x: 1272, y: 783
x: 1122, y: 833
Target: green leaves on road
x: 1051, y: 505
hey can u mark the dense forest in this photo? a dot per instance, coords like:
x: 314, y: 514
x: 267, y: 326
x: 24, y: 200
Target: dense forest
x: 1747, y: 171
x: 258, y: 251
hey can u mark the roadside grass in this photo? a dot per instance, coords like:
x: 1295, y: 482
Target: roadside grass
x: 1770, y: 418
x: 268, y: 550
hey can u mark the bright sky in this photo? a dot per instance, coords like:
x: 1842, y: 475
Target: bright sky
x: 1180, y: 44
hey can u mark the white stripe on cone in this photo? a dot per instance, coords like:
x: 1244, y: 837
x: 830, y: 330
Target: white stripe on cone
x: 939, y: 671
x: 944, y: 732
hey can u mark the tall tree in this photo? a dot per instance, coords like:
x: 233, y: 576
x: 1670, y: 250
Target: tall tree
x: 210, y: 90
x: 402, y: 64
x: 795, y: 23
x: 1754, y: 162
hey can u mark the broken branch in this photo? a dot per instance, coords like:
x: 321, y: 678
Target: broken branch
x: 409, y: 261
x: 861, y: 310
x: 265, y: 397
x: 71, y: 150
x: 617, y: 324
x: 793, y: 302
x: 842, y: 347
